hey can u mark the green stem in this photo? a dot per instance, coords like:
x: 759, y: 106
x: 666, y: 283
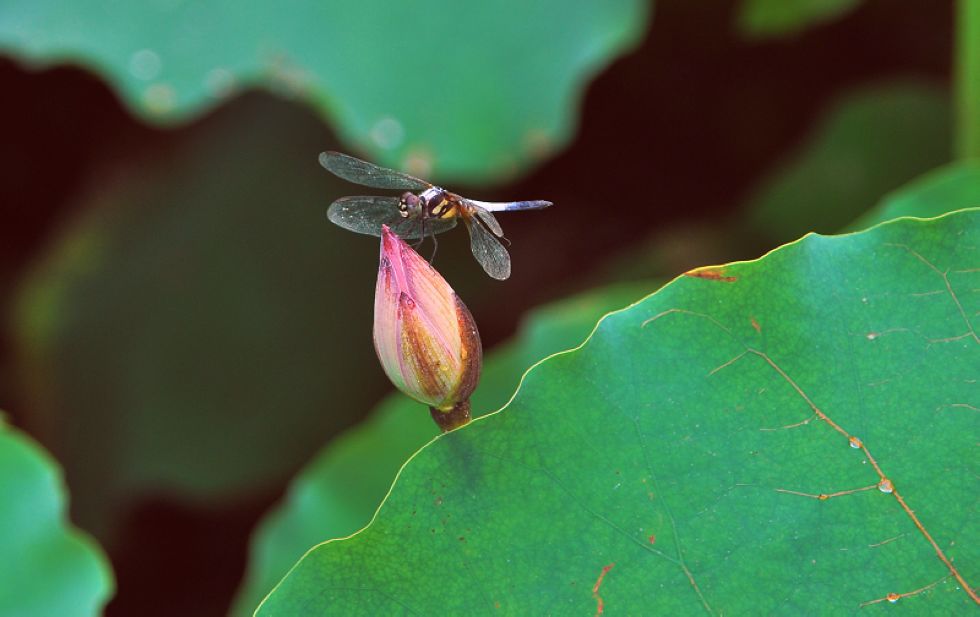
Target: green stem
x: 967, y: 79
x: 455, y: 417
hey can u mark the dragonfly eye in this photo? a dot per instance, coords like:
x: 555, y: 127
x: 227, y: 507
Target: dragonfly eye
x: 408, y: 203
x: 411, y: 205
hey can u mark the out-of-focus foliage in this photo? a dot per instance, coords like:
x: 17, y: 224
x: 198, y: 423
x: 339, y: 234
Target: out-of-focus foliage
x: 722, y: 446
x: 470, y: 89
x: 337, y: 493
x: 196, y: 330
x: 871, y: 142
x: 47, y: 568
x: 953, y: 187
x: 769, y: 18
x: 966, y: 83
x: 190, y: 319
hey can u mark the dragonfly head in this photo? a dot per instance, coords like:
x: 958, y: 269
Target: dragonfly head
x: 410, y: 205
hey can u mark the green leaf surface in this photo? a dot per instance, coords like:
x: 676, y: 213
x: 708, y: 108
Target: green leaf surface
x: 952, y: 187
x: 47, y: 568
x: 871, y: 142
x: 337, y: 493
x: 673, y: 464
x: 468, y: 89
x: 200, y: 309
x: 772, y: 18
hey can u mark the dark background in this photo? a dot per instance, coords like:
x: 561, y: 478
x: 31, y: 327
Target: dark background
x: 672, y: 138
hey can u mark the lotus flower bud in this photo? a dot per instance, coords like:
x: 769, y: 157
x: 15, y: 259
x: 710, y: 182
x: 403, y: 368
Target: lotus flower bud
x: 424, y: 335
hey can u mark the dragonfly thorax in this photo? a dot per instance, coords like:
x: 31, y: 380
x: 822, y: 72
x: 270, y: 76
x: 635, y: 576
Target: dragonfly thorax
x: 438, y: 203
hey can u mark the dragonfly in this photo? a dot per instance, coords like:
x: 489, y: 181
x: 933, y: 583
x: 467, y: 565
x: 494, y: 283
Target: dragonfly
x: 423, y: 209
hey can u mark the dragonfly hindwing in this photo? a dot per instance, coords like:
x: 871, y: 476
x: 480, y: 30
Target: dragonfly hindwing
x: 488, y: 250
x: 489, y: 220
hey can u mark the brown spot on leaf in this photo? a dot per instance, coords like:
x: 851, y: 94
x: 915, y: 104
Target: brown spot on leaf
x: 712, y: 273
x: 595, y: 589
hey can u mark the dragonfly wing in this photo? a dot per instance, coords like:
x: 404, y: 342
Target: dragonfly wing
x: 412, y: 229
x: 488, y: 250
x: 489, y: 220
x: 366, y: 215
x: 368, y: 174
x: 509, y: 206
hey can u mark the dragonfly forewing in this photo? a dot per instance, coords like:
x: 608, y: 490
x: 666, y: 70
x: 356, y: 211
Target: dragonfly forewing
x: 368, y: 174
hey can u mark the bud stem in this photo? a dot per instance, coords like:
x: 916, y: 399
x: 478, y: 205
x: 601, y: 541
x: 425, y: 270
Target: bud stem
x: 452, y: 418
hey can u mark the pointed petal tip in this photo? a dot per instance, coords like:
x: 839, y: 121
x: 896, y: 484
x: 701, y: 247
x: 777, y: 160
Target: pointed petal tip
x: 389, y: 241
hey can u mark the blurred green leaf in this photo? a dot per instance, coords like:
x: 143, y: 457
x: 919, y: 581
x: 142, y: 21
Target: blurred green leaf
x: 871, y: 142
x: 47, y: 567
x: 770, y: 18
x: 337, y: 493
x: 966, y: 78
x: 673, y: 464
x: 953, y: 187
x: 199, y: 310
x: 468, y: 89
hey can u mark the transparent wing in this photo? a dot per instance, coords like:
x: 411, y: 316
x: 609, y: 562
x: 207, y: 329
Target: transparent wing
x: 411, y: 229
x: 488, y: 250
x: 368, y: 174
x: 489, y: 221
x: 509, y: 206
x: 366, y: 215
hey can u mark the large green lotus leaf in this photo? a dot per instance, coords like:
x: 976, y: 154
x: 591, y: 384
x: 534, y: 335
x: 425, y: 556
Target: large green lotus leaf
x: 871, y: 142
x: 770, y: 18
x: 200, y: 309
x: 943, y: 190
x: 47, y: 568
x: 337, y: 493
x: 471, y: 89
x: 695, y: 455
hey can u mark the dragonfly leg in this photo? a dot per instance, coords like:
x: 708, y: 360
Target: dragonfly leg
x: 435, y: 247
x: 421, y: 239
